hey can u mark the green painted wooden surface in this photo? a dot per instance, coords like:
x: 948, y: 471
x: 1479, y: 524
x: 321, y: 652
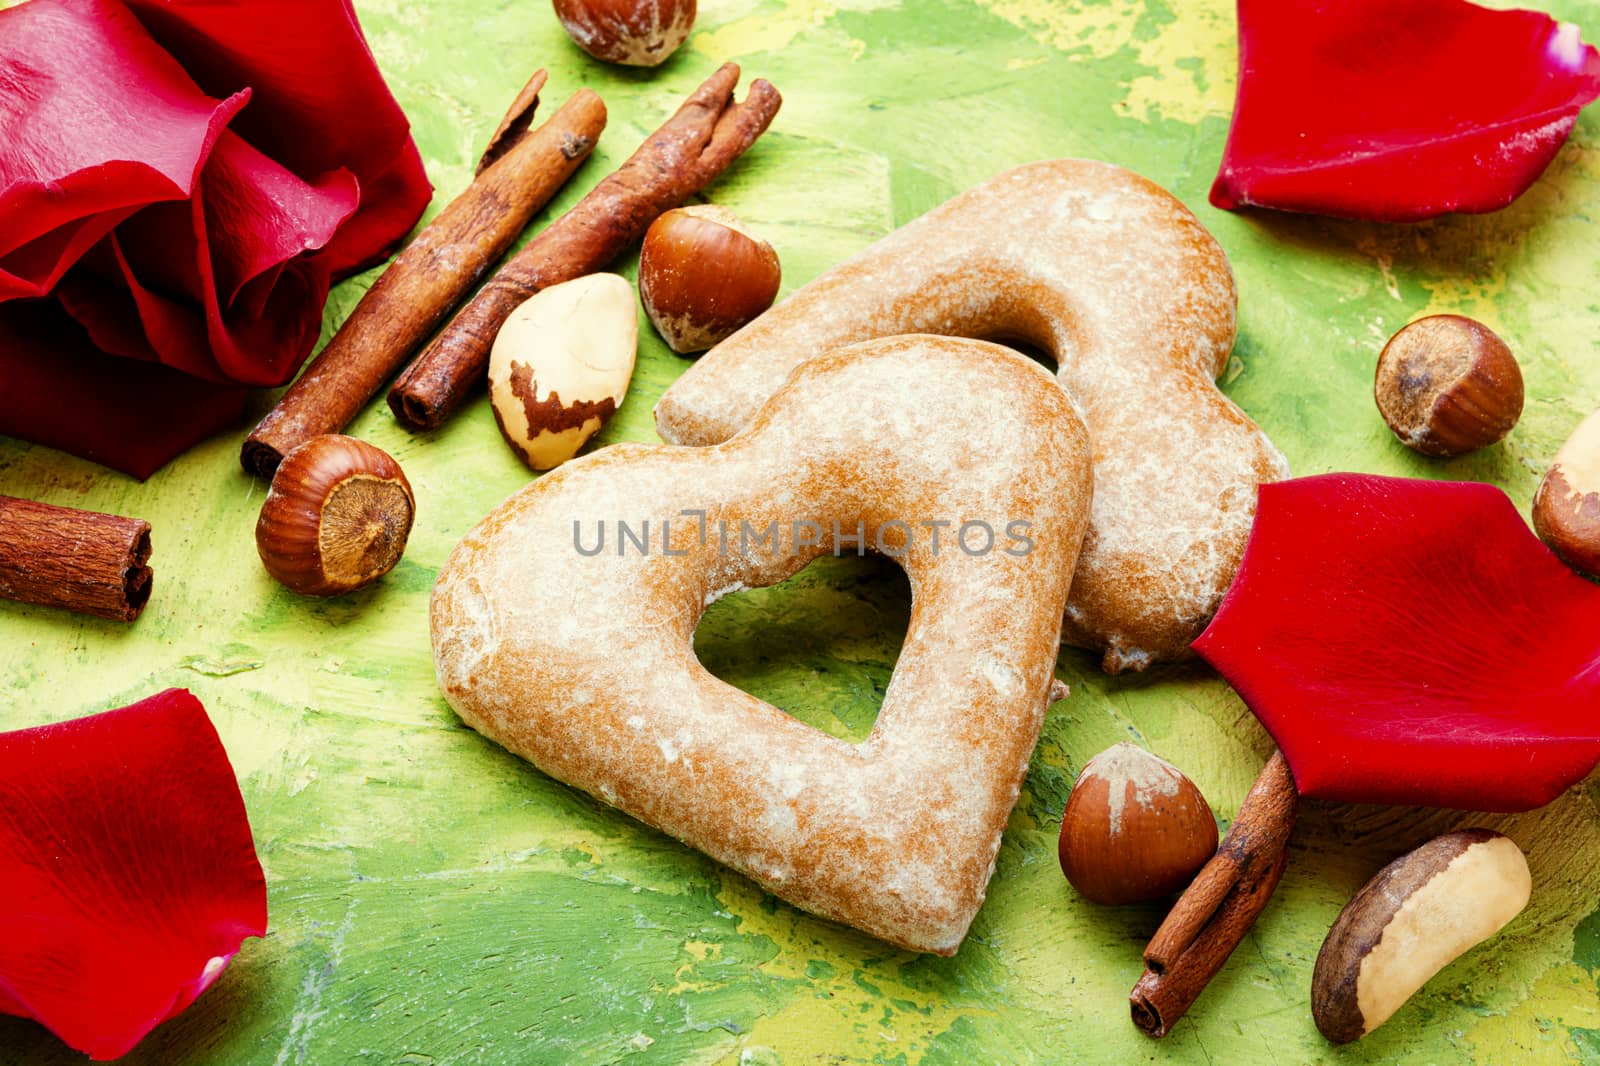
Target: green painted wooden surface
x: 434, y: 900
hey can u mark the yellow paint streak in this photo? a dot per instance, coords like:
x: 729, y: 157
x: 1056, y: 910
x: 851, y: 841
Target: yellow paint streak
x: 1097, y: 31
x: 769, y: 31
x: 837, y: 1018
x: 1194, y: 60
x: 1191, y: 58
x: 698, y: 951
x: 1474, y: 295
x: 703, y: 949
x: 1566, y: 995
x: 1547, y: 236
x: 1478, y: 283
x: 816, y: 1025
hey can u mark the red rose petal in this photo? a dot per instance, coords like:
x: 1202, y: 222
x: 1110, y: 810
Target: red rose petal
x: 126, y: 315
x: 1397, y: 110
x: 131, y: 876
x: 132, y: 416
x: 391, y: 203
x: 258, y: 215
x: 251, y: 301
x: 319, y: 104
x: 72, y: 167
x: 240, y: 320
x: 169, y: 238
x: 1412, y: 642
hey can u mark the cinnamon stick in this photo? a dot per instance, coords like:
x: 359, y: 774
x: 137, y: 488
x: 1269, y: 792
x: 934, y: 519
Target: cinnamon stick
x: 1219, y: 907
x: 707, y: 134
x: 519, y: 172
x: 82, y: 561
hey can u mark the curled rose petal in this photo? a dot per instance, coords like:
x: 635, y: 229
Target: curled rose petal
x: 216, y: 285
x: 130, y: 875
x: 1412, y: 642
x: 318, y: 105
x: 1398, y: 110
x: 71, y: 168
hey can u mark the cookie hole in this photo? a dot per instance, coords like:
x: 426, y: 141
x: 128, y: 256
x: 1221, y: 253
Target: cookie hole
x: 820, y: 646
x: 1032, y: 351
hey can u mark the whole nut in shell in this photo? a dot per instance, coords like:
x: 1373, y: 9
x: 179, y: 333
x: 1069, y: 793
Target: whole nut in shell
x: 561, y: 365
x: 1446, y: 385
x: 1135, y: 828
x: 635, y: 33
x: 703, y: 274
x: 1566, y: 509
x: 1420, y: 912
x: 336, y: 518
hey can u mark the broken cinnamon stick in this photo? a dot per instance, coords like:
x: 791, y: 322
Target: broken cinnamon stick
x: 1214, y: 914
x: 82, y: 561
x: 707, y: 134
x: 520, y: 171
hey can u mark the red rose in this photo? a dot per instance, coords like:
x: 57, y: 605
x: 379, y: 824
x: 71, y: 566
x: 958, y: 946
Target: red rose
x: 180, y: 183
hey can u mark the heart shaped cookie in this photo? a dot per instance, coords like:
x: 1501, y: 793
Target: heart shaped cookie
x: 563, y: 625
x: 1119, y: 283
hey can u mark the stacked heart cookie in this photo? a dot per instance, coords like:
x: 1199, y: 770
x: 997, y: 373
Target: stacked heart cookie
x: 1112, y: 277
x: 1128, y: 480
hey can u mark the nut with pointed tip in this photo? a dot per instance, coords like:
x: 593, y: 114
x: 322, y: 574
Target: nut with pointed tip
x: 1135, y: 828
x: 336, y: 518
x: 1418, y: 914
x: 703, y: 275
x: 635, y: 33
x: 561, y: 365
x: 1446, y: 385
x: 1566, y: 509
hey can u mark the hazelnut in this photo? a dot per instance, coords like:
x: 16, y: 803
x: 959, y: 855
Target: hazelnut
x: 1447, y: 386
x: 703, y: 275
x: 561, y: 365
x: 336, y: 517
x: 635, y: 33
x: 1135, y: 829
x: 1566, y: 509
x: 1419, y: 913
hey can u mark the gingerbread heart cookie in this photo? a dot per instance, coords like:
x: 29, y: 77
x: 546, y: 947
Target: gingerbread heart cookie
x: 563, y: 625
x: 1113, y: 277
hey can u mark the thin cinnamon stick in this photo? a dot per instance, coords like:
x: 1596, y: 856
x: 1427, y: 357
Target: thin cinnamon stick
x: 708, y: 133
x: 1214, y: 914
x: 519, y: 172
x: 82, y: 561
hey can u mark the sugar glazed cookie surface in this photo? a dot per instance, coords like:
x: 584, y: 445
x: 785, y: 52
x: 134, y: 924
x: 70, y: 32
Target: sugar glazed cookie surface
x: 584, y: 663
x: 1122, y: 286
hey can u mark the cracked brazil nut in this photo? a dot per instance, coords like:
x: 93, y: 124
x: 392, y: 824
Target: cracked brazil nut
x: 561, y: 365
x: 1418, y: 914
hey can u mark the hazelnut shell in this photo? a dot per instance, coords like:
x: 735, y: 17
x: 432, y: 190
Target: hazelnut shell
x: 1446, y: 386
x: 336, y: 518
x: 1135, y: 828
x: 634, y: 33
x: 703, y: 275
